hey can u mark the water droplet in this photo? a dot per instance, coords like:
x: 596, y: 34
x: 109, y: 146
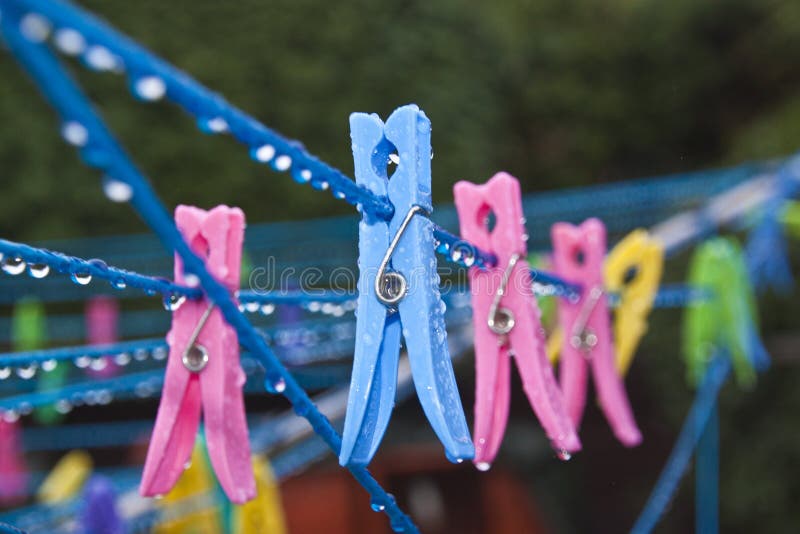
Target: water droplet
x: 38, y: 270
x: 213, y: 125
x: 104, y: 397
x: 263, y: 153
x: 119, y: 283
x: 268, y: 309
x: 251, y: 307
x: 81, y: 278
x: 63, y: 406
x: 75, y: 133
x: 275, y: 385
x: 377, y: 506
x: 191, y: 280
x: 123, y: 359
x: 283, y: 162
x: 394, y: 158
x: 69, y: 41
x: 35, y: 27
x: 13, y: 265
x: 150, y: 88
x: 49, y: 365
x: 173, y: 301
x: 82, y: 362
x: 321, y: 185
x: 140, y: 355
x: 159, y: 353
x: 27, y: 372
x: 563, y: 455
x: 158, y: 497
x: 188, y: 464
x: 338, y: 194
x: 5, y: 372
x: 100, y: 58
x: 302, y: 176
x: 25, y: 408
x: 11, y: 416
x: 98, y: 364
x: 453, y: 459
x: 483, y: 466
x: 116, y: 190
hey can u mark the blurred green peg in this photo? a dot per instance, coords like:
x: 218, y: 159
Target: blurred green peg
x: 791, y: 218
x: 728, y: 320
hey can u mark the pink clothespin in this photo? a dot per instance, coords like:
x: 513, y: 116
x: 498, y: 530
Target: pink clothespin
x: 506, y: 319
x: 203, y: 369
x: 102, y: 314
x: 578, y: 254
x: 13, y: 470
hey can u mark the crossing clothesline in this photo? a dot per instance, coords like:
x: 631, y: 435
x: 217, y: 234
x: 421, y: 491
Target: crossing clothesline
x: 85, y: 129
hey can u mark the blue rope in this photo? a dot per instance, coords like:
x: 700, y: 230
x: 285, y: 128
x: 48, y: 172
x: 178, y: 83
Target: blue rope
x: 15, y: 256
x: 705, y: 400
x: 103, y: 151
x: 707, y: 476
x: 16, y: 359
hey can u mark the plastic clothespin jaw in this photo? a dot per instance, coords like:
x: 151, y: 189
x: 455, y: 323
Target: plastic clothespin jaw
x: 99, y: 514
x: 507, y: 320
x: 633, y: 270
x: 578, y: 254
x: 728, y: 320
x: 399, y: 292
x: 203, y: 369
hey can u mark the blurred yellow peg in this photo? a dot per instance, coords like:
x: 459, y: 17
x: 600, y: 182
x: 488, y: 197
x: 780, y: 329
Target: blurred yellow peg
x: 66, y: 479
x: 264, y: 514
x: 633, y: 270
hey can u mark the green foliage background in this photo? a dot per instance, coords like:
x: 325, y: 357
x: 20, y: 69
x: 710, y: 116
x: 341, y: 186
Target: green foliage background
x: 557, y: 93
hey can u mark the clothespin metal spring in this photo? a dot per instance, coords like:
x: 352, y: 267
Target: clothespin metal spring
x: 391, y: 286
x: 195, y: 357
x: 501, y: 320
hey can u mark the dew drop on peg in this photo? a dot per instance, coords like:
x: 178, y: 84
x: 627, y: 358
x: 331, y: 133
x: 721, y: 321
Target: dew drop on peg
x: 483, y: 466
x: 563, y: 455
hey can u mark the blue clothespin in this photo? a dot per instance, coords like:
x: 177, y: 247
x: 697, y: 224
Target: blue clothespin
x: 99, y: 514
x: 399, y: 292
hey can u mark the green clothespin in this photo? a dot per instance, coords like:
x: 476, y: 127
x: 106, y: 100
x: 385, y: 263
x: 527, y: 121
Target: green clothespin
x: 29, y: 332
x: 728, y: 320
x: 791, y: 218
x: 547, y: 304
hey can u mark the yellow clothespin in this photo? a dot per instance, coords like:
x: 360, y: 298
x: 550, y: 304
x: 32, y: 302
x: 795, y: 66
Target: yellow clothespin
x: 66, y: 479
x: 633, y: 270
x: 264, y: 514
x: 195, y: 481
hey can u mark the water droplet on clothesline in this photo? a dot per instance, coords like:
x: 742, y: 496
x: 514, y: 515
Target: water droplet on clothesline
x: 63, y: 406
x: 275, y: 385
x: 191, y: 280
x: 116, y: 190
x: 263, y: 153
x: 123, y: 358
x: 159, y: 353
x: 213, y: 125
x: 150, y: 88
x: 81, y: 278
x: 377, y: 506
x: 35, y: 27
x: 13, y: 265
x: 100, y: 58
x: 251, y: 307
x: 82, y: 362
x: 98, y: 364
x: 303, y: 176
x: 38, y: 270
x: 5, y: 372
x: 49, y: 365
x: 268, y: 309
x: 27, y: 372
x: 75, y: 133
x: 69, y: 41
x: 11, y: 416
x: 119, y: 283
x: 173, y: 301
x: 321, y: 185
x: 283, y: 162
x: 140, y: 355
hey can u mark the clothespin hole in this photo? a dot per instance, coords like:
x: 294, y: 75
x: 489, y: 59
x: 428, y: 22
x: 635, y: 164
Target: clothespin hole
x: 630, y: 275
x: 487, y: 218
x: 580, y: 256
x: 385, y: 159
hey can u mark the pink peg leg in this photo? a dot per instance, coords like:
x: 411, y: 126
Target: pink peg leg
x: 102, y: 314
x: 13, y: 470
